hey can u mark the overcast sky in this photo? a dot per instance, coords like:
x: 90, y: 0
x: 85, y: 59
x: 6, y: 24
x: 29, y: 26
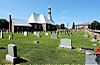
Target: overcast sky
x: 63, y: 11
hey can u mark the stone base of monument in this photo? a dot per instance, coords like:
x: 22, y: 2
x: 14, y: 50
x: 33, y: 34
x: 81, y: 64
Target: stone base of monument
x: 62, y: 46
x: 11, y: 59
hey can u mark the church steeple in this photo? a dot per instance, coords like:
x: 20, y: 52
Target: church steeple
x: 49, y: 11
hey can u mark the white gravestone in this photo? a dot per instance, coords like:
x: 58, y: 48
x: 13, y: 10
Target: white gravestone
x: 85, y: 34
x: 1, y: 34
x: 9, y: 37
x: 65, y: 43
x: 34, y: 33
x: 38, y: 34
x: 17, y: 32
x: 12, y: 54
x: 46, y: 34
x: 25, y: 33
x: 54, y: 36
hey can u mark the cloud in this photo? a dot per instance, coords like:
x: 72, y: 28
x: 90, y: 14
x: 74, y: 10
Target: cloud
x: 65, y: 12
x: 63, y: 17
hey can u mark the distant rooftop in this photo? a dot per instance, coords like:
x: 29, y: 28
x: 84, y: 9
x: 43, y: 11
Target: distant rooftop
x: 83, y: 24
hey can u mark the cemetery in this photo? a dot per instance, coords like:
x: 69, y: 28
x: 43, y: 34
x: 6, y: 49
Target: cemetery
x: 47, y: 49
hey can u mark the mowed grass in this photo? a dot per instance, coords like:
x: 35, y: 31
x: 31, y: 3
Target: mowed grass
x: 47, y: 51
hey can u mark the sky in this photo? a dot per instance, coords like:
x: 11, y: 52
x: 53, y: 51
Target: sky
x: 63, y: 11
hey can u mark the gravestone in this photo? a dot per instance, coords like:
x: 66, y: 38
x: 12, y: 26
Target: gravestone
x: 65, y: 43
x: 25, y: 33
x: 1, y: 34
x: 54, y: 36
x: 94, y: 44
x: 17, y: 32
x: 12, y: 54
x: 34, y: 32
x: 37, y: 34
x: 9, y: 37
x: 94, y: 37
x: 46, y: 34
x: 85, y: 34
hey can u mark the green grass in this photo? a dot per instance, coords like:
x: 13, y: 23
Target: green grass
x: 47, y: 51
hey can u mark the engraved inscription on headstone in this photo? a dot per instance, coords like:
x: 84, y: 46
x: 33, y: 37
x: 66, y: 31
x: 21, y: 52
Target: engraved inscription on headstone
x: 65, y: 43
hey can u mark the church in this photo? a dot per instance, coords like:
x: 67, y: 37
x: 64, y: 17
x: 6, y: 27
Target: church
x: 36, y: 22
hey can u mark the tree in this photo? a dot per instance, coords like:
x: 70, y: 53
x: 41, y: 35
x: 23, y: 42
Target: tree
x: 4, y: 24
x: 95, y: 25
x: 62, y: 26
x: 73, y: 26
x: 57, y: 26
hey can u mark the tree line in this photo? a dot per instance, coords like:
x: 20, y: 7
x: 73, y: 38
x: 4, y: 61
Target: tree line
x: 95, y: 25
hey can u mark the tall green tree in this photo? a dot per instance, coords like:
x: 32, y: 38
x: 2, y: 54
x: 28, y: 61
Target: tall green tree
x: 73, y: 26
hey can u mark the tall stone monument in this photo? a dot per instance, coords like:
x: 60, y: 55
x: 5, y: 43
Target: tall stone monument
x: 12, y: 54
x: 10, y: 24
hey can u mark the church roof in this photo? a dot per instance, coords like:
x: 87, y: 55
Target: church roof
x: 39, y: 18
x: 18, y: 22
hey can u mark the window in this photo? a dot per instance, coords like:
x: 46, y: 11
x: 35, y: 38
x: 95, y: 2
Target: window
x: 39, y: 26
x: 17, y: 28
x: 48, y: 26
x: 35, y: 26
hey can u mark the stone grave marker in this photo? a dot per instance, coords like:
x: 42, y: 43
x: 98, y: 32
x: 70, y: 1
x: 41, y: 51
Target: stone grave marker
x: 85, y: 34
x: 9, y: 37
x: 46, y: 34
x: 17, y: 32
x: 65, y: 43
x: 34, y: 32
x: 12, y: 54
x: 37, y: 34
x: 25, y: 33
x: 54, y: 36
x: 94, y: 37
x: 94, y: 44
x: 1, y: 34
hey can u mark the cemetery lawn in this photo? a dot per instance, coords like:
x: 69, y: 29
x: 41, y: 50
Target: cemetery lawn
x: 47, y: 51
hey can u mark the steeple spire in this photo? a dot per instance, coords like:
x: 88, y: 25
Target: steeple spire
x: 49, y: 11
x: 49, y: 4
